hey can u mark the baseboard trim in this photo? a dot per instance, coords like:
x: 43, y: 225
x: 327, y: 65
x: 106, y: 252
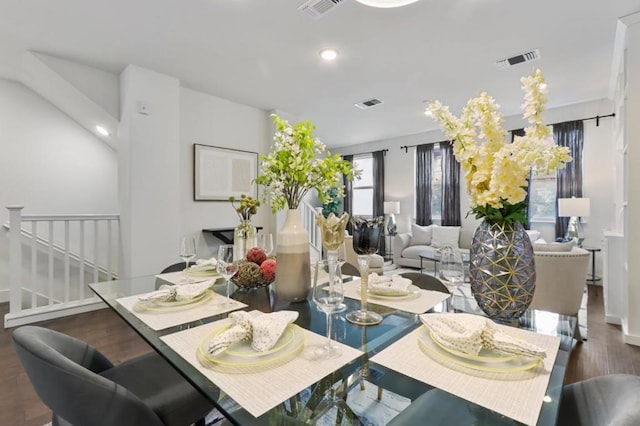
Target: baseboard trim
x: 42, y: 314
x: 631, y: 339
x: 610, y: 319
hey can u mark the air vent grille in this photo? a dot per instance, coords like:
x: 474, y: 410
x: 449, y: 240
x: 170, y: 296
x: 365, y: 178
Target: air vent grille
x: 369, y: 103
x: 532, y: 55
x: 318, y: 8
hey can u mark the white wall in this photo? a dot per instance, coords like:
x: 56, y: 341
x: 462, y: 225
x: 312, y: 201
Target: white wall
x: 598, y: 164
x: 49, y: 164
x: 209, y: 120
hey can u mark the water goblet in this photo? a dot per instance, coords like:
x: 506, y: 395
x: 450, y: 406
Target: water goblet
x: 451, y: 269
x: 225, y: 266
x: 366, y: 238
x: 328, y: 294
x: 187, y: 252
x: 265, y: 242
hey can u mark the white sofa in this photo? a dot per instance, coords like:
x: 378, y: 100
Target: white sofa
x: 407, y: 247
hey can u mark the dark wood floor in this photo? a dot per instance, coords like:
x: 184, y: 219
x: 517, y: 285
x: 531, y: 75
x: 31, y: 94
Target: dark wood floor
x: 603, y: 353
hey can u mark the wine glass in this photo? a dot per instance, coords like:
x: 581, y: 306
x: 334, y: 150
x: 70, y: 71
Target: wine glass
x: 265, y: 242
x: 187, y: 252
x: 225, y: 266
x: 328, y: 294
x: 451, y: 269
x: 366, y: 238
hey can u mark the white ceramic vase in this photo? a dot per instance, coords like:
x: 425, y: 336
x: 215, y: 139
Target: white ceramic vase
x: 293, y: 269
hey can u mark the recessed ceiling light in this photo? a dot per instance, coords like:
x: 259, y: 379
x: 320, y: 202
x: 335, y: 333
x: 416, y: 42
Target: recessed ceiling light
x: 386, y: 3
x: 329, y: 54
x: 102, y: 131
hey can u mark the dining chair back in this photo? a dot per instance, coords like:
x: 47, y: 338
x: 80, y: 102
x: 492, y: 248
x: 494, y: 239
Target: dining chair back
x: 605, y: 400
x: 426, y: 282
x: 82, y: 387
x: 176, y: 267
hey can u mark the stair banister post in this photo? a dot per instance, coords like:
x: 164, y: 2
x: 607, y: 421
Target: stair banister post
x: 15, y: 258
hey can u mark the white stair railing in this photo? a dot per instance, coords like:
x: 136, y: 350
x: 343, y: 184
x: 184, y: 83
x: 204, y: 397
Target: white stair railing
x: 308, y: 213
x: 52, y: 263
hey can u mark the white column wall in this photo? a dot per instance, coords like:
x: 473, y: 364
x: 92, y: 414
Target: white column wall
x: 149, y: 171
x: 632, y: 139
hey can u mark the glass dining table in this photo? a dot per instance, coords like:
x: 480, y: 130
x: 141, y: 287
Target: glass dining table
x: 310, y: 405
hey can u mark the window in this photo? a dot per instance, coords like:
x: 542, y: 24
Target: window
x: 363, y: 187
x: 542, y: 198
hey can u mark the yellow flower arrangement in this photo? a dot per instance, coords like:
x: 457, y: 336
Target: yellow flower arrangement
x: 497, y: 171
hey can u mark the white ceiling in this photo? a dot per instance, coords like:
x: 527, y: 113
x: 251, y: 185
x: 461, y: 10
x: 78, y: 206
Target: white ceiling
x: 264, y: 53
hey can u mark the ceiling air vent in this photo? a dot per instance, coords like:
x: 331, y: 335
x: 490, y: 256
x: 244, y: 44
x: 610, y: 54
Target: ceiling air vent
x: 369, y: 103
x: 518, y: 59
x: 318, y: 8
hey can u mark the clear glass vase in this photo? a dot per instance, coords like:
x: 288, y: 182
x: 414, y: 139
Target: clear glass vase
x: 244, y: 238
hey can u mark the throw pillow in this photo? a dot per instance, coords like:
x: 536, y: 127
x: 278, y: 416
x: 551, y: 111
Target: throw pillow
x: 420, y: 235
x: 445, y: 236
x: 533, y: 235
x: 554, y: 247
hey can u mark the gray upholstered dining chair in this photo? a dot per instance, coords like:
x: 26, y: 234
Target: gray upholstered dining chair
x: 426, y: 282
x: 606, y: 400
x: 82, y: 387
x: 176, y: 267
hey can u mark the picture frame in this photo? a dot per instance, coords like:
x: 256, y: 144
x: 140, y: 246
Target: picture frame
x: 219, y: 173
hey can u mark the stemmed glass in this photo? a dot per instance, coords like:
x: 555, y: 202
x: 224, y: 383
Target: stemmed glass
x: 366, y: 238
x: 328, y: 294
x: 265, y: 242
x: 451, y: 269
x: 225, y: 266
x: 332, y: 228
x: 187, y: 252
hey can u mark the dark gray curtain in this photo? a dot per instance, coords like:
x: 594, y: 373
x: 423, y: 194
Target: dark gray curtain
x: 348, y: 193
x: 514, y: 133
x: 450, y: 186
x: 423, y: 183
x: 378, y: 192
x: 571, y: 135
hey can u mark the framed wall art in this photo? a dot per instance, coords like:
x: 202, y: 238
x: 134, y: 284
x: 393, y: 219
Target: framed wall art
x: 219, y: 173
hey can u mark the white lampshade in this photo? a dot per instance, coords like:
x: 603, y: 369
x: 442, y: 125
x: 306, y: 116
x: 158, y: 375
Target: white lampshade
x: 578, y: 207
x: 386, y: 3
x: 392, y: 207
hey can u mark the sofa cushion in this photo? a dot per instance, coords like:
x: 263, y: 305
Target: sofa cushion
x: 554, y: 247
x: 414, y: 252
x: 445, y: 236
x: 420, y: 235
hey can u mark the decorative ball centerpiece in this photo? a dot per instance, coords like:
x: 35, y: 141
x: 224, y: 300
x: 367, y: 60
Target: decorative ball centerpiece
x: 257, y: 270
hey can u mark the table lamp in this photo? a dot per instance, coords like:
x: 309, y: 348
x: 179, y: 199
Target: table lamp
x: 392, y: 208
x: 574, y: 208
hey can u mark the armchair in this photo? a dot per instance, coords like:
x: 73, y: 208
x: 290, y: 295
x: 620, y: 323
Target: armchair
x: 561, y: 278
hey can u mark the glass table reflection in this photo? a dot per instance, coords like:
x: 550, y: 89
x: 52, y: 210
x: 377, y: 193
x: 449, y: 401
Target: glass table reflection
x: 312, y: 405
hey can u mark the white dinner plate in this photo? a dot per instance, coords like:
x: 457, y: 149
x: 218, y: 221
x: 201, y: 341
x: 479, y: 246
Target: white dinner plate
x: 488, y: 362
x: 241, y: 358
x: 174, y: 305
x: 411, y: 293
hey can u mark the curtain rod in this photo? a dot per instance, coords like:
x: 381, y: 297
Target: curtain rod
x: 597, y: 118
x: 384, y: 151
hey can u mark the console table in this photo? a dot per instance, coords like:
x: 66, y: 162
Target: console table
x: 224, y: 234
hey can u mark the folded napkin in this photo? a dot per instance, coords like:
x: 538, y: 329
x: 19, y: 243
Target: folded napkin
x: 173, y: 293
x: 470, y: 333
x: 394, y: 284
x: 204, y: 265
x: 263, y: 330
